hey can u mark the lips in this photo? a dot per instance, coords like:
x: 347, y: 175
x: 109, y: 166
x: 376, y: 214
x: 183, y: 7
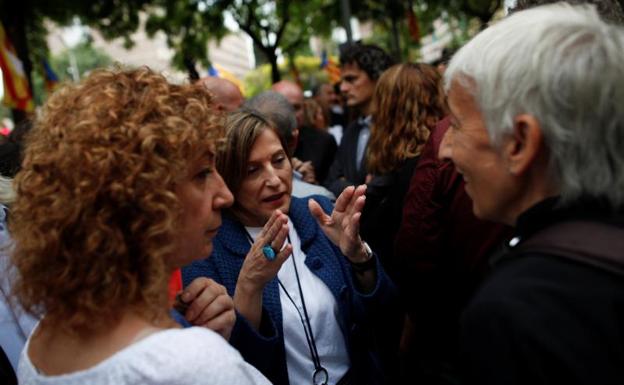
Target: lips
x: 273, y: 198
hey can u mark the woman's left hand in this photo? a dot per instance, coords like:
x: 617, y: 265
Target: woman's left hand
x: 343, y: 226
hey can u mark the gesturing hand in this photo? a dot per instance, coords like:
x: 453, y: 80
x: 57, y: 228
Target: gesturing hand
x: 257, y: 270
x: 343, y: 226
x: 209, y: 305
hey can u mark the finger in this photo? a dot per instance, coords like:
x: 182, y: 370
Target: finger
x: 222, y: 324
x: 344, y: 199
x: 220, y: 305
x: 318, y: 213
x: 279, y: 240
x: 282, y: 256
x: 196, y: 287
x: 358, y: 193
x: 271, y: 232
x: 270, y: 222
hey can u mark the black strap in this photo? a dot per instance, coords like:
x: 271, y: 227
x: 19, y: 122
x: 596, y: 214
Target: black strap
x: 305, y: 321
x: 597, y: 244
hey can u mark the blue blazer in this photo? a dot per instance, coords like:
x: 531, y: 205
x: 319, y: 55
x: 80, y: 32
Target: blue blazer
x: 364, y: 318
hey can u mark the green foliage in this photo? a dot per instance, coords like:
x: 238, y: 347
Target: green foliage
x: 188, y: 26
x: 308, y: 67
x: 87, y: 59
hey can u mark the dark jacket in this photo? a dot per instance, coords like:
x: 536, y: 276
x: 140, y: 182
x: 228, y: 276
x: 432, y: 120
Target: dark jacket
x: 383, y: 210
x: 543, y: 319
x: 318, y: 147
x: 362, y: 315
x: 344, y: 172
x: 442, y: 251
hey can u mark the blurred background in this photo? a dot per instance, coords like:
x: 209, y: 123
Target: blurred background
x: 253, y: 43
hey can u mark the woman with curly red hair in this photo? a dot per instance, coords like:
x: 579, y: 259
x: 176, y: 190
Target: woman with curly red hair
x: 407, y: 103
x: 118, y: 189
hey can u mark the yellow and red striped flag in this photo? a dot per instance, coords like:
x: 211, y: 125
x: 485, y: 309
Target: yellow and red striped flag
x: 332, y: 69
x: 17, y: 92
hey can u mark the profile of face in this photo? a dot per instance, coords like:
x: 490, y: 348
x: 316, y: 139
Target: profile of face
x: 202, y: 194
x: 326, y: 96
x: 483, y: 167
x: 268, y: 183
x: 356, y: 86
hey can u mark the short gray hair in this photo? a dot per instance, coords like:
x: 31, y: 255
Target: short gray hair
x: 276, y: 108
x: 562, y: 65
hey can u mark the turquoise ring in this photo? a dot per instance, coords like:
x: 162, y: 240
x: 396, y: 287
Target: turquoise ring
x: 268, y: 252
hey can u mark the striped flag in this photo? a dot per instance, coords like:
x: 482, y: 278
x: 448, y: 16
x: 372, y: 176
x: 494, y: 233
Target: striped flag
x: 17, y: 92
x: 51, y: 80
x: 332, y: 69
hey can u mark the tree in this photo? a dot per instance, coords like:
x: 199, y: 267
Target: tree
x: 188, y: 25
x: 24, y: 23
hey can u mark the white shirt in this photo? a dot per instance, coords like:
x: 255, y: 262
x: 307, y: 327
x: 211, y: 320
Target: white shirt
x: 323, y: 311
x: 191, y: 356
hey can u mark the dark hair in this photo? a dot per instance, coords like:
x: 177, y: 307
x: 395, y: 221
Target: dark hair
x: 370, y: 58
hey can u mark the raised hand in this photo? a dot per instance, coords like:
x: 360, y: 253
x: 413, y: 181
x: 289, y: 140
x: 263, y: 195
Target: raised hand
x: 342, y: 227
x: 257, y: 270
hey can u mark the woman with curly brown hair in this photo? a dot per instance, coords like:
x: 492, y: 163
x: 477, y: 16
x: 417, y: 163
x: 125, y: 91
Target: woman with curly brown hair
x: 118, y: 189
x: 407, y: 103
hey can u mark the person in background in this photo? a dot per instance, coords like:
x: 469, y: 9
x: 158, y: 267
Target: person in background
x: 313, y: 148
x: 15, y: 325
x: 536, y: 132
x: 361, y: 66
x: 313, y: 115
x: 313, y: 301
x: 95, y: 245
x: 227, y: 96
x: 407, y: 104
x: 335, y: 118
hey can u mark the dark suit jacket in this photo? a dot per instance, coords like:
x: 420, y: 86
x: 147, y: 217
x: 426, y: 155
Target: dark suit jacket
x: 318, y: 147
x: 362, y: 316
x: 344, y: 164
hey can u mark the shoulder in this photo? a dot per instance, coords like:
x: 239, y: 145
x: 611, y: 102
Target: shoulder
x: 190, y: 356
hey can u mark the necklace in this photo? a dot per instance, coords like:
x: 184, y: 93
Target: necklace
x: 320, y: 375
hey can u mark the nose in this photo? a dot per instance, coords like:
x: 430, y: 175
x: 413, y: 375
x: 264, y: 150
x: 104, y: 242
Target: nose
x: 445, y: 152
x: 224, y: 197
x: 272, y: 180
x: 343, y: 87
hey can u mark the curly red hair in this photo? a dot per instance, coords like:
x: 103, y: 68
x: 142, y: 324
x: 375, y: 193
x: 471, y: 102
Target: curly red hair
x: 95, y: 217
x: 407, y: 103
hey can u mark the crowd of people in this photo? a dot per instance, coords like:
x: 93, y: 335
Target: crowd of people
x: 413, y: 224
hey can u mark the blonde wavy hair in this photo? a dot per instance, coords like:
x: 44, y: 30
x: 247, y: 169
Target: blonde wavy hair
x: 95, y: 217
x: 407, y: 103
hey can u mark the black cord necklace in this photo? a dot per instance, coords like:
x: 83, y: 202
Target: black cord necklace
x: 320, y: 375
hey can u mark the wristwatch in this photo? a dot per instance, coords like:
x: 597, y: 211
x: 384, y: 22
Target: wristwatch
x: 370, y: 263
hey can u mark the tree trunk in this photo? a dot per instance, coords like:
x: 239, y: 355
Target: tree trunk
x: 275, y: 74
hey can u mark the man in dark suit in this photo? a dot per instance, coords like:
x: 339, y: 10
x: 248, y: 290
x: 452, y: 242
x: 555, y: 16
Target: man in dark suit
x: 361, y: 66
x: 313, y: 147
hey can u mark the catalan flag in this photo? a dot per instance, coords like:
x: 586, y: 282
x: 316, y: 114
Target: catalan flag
x: 332, y: 69
x: 17, y: 93
x: 51, y: 80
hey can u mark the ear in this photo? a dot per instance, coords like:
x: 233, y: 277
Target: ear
x: 524, y: 145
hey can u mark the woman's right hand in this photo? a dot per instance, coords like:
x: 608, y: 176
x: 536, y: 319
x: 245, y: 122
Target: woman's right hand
x: 257, y: 270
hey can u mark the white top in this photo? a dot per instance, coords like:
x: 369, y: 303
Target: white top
x: 173, y: 357
x: 15, y: 324
x: 323, y: 311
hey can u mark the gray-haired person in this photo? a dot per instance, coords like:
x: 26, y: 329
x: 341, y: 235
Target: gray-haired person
x: 537, y: 132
